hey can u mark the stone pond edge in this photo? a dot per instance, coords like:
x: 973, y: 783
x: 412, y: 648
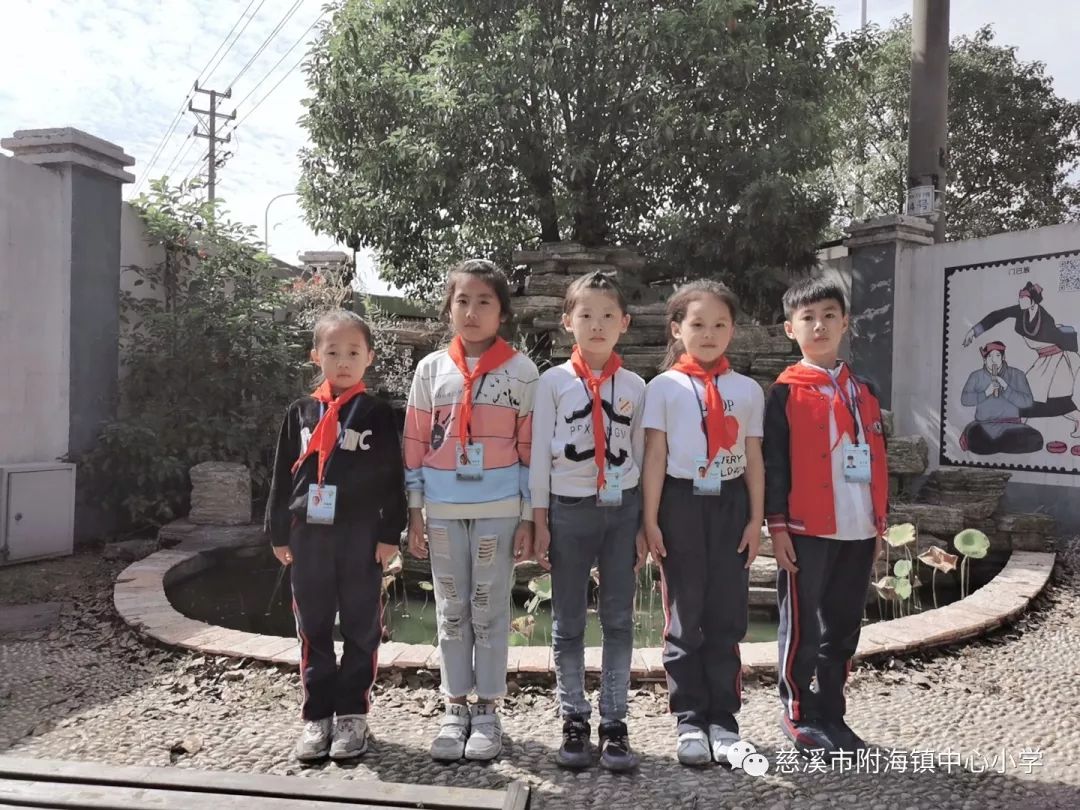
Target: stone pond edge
x: 140, y: 599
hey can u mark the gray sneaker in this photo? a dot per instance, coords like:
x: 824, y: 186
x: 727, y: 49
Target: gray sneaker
x: 449, y: 743
x: 720, y: 740
x: 693, y: 748
x: 485, y: 741
x: 350, y: 736
x: 314, y: 742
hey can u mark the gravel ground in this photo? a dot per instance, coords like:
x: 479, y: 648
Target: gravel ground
x: 90, y: 690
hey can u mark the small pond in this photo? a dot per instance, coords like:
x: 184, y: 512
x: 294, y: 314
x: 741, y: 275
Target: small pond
x: 243, y: 589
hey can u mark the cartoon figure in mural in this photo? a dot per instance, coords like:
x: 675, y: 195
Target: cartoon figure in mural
x: 1000, y: 393
x: 1052, y: 376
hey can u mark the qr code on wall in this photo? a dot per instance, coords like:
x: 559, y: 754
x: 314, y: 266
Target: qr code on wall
x: 1069, y: 279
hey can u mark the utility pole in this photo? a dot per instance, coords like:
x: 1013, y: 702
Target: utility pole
x: 928, y: 122
x: 211, y: 135
x: 860, y: 195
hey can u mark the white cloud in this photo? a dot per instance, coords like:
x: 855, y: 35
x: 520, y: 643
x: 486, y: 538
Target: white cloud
x: 120, y: 69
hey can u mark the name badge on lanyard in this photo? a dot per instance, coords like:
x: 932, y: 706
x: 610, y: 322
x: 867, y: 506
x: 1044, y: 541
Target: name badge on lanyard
x: 321, y: 502
x: 470, y: 458
x: 611, y: 493
x: 470, y: 461
x: 322, y: 498
x: 707, y: 479
x: 855, y: 456
x: 856, y: 463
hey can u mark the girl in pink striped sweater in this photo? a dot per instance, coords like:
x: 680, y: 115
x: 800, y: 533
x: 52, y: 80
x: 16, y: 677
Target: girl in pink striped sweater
x: 468, y: 434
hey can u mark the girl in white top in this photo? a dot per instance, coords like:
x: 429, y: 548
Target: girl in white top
x: 703, y: 484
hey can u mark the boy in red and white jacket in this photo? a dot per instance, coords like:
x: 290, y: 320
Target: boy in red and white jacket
x: 826, y: 502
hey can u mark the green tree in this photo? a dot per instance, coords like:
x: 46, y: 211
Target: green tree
x: 462, y: 127
x: 1014, y: 144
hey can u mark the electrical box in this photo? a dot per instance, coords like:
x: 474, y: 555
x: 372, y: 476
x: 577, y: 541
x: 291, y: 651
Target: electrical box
x: 37, y: 511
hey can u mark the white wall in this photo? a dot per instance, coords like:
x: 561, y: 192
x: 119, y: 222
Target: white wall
x: 35, y: 241
x: 918, y: 334
x: 135, y: 252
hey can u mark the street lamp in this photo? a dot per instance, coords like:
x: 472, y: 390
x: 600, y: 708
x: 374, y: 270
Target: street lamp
x: 266, y: 218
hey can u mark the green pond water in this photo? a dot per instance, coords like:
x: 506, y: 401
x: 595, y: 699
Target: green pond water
x: 243, y: 591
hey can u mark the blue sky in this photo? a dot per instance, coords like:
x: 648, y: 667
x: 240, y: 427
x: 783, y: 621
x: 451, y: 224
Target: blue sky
x: 121, y: 69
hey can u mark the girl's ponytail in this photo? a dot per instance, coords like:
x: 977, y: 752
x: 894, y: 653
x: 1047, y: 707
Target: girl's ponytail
x: 675, y: 350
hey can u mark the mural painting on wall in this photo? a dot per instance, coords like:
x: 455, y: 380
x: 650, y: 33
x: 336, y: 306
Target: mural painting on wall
x: 1010, y: 387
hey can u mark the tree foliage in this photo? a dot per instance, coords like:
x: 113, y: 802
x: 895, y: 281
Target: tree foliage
x: 1014, y: 144
x: 461, y: 127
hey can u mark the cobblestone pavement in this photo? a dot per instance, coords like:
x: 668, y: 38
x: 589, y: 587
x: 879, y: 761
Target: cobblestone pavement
x: 90, y: 690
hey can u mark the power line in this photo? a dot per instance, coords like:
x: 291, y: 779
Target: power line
x: 161, y: 144
x: 181, y: 154
x: 187, y: 97
x: 236, y: 39
x: 226, y: 39
x: 267, y: 41
x: 277, y: 64
x: 191, y: 173
x: 258, y: 103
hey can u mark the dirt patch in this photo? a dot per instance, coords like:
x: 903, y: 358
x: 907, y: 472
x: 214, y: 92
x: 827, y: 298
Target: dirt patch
x: 59, y: 579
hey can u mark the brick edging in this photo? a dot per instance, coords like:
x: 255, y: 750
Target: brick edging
x: 139, y: 598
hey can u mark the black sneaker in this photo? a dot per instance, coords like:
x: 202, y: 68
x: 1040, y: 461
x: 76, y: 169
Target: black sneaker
x: 806, y: 735
x: 575, y: 751
x: 615, y: 751
x: 841, y: 734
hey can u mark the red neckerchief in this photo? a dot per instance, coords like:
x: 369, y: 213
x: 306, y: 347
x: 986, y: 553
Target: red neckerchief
x: 499, y: 353
x: 803, y: 374
x: 325, y: 435
x: 613, y: 364
x: 721, y: 430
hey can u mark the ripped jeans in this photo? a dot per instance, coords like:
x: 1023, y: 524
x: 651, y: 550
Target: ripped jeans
x: 472, y: 569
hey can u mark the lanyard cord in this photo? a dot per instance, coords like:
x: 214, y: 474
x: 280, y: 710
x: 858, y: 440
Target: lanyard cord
x: 337, y: 441
x: 476, y: 393
x: 701, y: 408
x: 850, y: 402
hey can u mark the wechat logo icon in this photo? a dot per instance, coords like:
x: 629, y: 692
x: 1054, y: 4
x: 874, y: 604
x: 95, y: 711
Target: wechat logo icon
x: 743, y: 755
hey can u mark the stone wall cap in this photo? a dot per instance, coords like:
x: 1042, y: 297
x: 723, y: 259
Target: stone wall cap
x: 321, y: 256
x: 894, y: 227
x: 49, y: 147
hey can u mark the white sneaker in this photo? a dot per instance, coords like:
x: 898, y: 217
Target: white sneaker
x: 314, y: 742
x: 449, y: 743
x: 693, y: 748
x: 720, y: 740
x: 485, y: 741
x: 350, y: 736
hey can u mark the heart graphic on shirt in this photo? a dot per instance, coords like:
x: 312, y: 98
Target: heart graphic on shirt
x: 731, y: 428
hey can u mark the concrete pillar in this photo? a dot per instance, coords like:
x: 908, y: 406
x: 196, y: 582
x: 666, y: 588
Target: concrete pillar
x: 92, y: 174
x: 876, y: 248
x: 928, y: 136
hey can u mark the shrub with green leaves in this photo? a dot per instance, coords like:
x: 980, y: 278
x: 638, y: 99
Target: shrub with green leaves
x: 210, y: 361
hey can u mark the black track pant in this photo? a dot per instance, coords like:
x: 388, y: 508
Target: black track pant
x: 705, y: 595
x: 821, y: 611
x: 334, y: 572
